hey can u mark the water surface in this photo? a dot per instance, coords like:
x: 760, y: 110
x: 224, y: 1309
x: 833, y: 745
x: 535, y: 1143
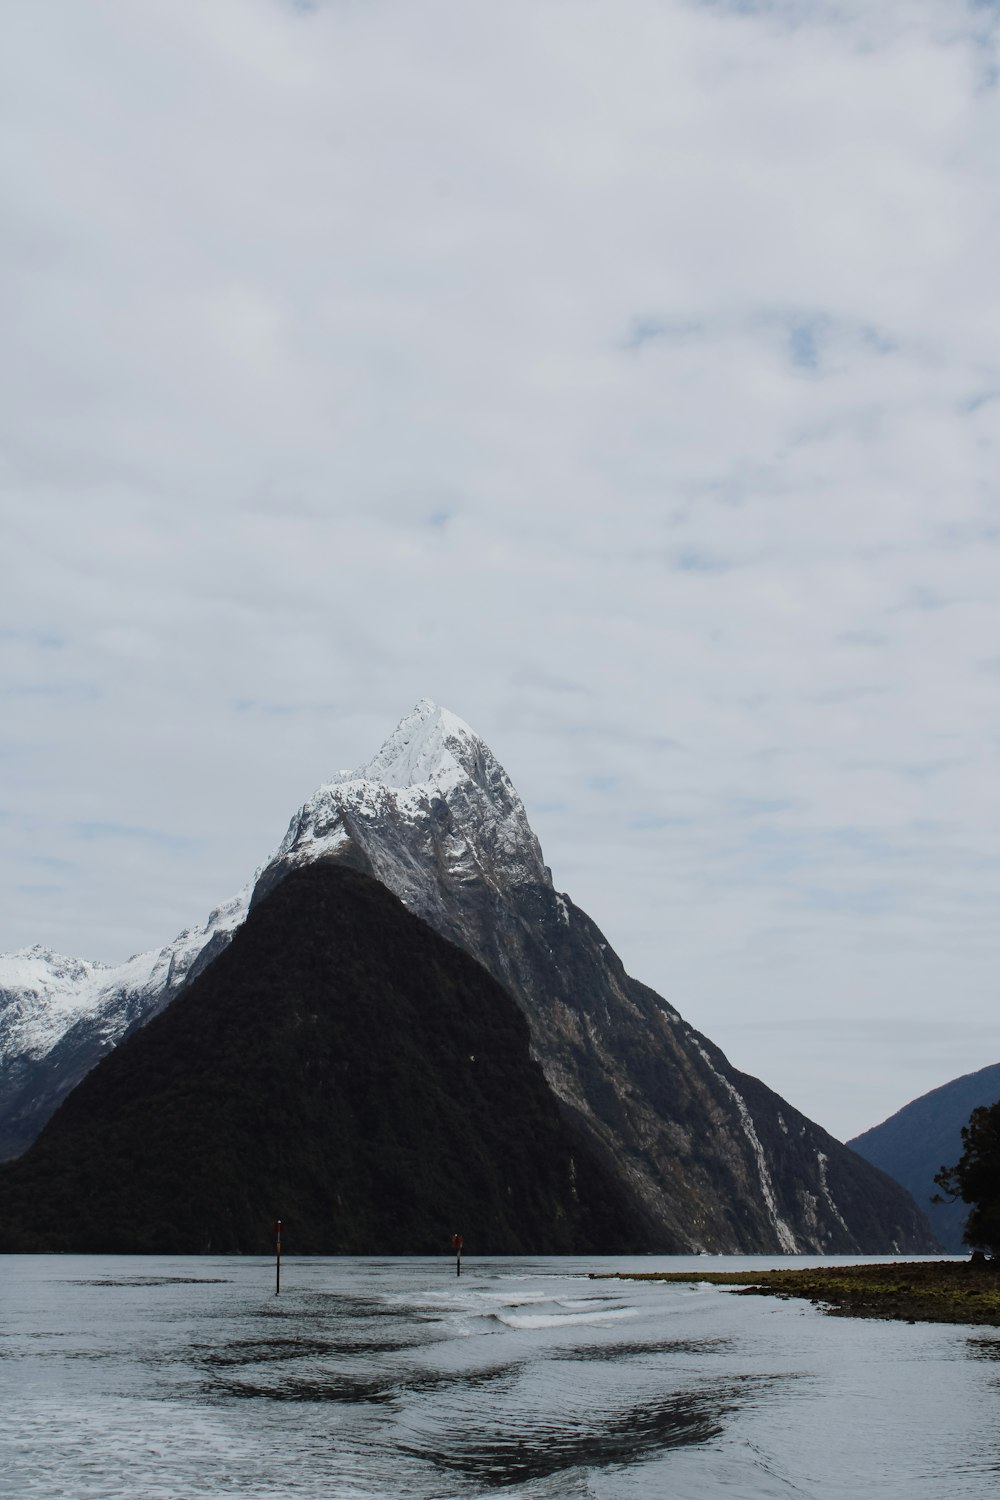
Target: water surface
x: 176, y: 1378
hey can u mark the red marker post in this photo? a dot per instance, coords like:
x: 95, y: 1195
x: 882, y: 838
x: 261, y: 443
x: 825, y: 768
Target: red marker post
x: 277, y: 1256
x: 456, y: 1245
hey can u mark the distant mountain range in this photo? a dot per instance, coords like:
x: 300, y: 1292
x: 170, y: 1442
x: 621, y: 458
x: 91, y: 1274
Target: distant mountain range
x: 926, y: 1135
x: 707, y: 1158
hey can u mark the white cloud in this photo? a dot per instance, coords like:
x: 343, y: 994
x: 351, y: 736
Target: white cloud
x: 623, y: 376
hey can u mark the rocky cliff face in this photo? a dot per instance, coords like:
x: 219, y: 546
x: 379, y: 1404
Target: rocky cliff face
x: 715, y: 1160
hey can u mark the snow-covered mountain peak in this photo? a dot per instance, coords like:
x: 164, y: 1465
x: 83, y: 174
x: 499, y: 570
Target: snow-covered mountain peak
x: 429, y: 748
x: 437, y: 778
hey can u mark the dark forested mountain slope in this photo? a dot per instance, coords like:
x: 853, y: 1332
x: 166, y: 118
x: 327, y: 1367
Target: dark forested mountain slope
x: 926, y: 1135
x: 340, y: 1066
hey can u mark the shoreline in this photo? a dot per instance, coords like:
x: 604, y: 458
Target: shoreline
x: 943, y: 1291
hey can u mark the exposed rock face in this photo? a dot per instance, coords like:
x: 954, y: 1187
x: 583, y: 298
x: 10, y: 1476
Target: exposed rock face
x: 926, y: 1135
x: 341, y: 1066
x: 715, y: 1160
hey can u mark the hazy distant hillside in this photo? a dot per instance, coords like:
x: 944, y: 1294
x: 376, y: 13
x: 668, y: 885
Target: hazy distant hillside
x: 924, y: 1136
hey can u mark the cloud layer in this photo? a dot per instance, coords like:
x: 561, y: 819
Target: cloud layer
x: 624, y: 376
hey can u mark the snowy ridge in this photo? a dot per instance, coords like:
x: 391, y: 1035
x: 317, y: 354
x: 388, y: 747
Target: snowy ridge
x: 44, y: 994
x: 48, y: 994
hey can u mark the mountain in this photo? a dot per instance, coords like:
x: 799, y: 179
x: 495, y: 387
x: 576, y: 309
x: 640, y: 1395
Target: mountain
x: 926, y: 1135
x: 719, y: 1161
x: 59, y: 1016
x: 340, y: 1066
x: 713, y: 1159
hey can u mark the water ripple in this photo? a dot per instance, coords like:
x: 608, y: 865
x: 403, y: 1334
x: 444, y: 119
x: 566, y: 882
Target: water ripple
x: 533, y: 1449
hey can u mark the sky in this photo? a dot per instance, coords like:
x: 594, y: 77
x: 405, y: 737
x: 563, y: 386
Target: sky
x: 624, y: 375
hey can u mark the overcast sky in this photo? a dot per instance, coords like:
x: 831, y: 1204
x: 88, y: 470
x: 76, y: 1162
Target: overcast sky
x: 622, y: 374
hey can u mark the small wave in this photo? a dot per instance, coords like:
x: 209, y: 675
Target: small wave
x: 524, y: 1299
x: 594, y: 1316
x: 617, y: 1351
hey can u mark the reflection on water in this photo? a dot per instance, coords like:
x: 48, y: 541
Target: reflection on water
x: 536, y: 1444
x: 156, y: 1281
x: 180, y: 1379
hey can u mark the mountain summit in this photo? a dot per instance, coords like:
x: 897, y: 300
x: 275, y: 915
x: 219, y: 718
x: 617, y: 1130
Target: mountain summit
x: 712, y: 1158
x: 434, y: 794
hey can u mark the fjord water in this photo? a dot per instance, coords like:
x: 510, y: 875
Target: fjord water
x: 180, y: 1378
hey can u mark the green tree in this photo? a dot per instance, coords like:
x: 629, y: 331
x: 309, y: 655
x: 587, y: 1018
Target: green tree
x: 975, y: 1178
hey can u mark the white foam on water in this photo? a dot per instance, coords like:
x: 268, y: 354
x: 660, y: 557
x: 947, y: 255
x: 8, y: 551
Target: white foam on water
x: 595, y: 1317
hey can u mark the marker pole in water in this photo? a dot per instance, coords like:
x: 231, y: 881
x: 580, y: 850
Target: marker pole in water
x: 456, y: 1245
x: 277, y: 1256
